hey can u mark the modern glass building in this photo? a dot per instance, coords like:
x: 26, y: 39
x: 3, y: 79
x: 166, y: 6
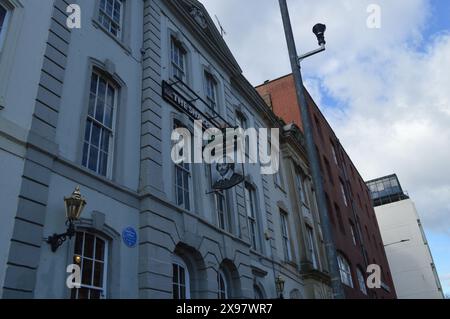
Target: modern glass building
x: 385, y: 190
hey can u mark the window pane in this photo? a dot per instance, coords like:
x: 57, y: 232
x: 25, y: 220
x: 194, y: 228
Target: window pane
x: 83, y: 293
x: 79, y: 243
x: 93, y: 158
x: 89, y: 246
x: 86, y: 277
x: 103, y: 165
x: 95, y: 137
x: 99, y: 249
x: 87, y: 133
x: 95, y: 294
x: 85, y: 153
x: 175, y: 273
x: 98, y: 274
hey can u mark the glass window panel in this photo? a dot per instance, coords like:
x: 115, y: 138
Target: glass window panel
x: 93, y: 158
x: 175, y: 292
x: 175, y: 273
x: 79, y: 243
x: 95, y: 137
x: 105, y: 141
x: 87, y: 133
x: 85, y: 153
x: 98, y: 274
x: 86, y: 276
x: 95, y: 294
x: 100, y: 249
x: 83, y: 293
x: 89, y: 246
x: 103, y: 165
x: 182, y: 276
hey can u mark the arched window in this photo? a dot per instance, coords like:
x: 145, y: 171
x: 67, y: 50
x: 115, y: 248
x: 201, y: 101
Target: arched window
x: 345, y: 271
x: 361, y: 281
x: 222, y: 289
x: 91, y: 254
x: 180, y: 279
x: 258, y: 292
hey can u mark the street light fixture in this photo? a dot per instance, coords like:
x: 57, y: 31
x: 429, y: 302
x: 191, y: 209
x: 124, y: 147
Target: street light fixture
x: 74, y: 207
x: 397, y: 242
x: 319, y: 30
x: 279, y: 285
x: 313, y: 158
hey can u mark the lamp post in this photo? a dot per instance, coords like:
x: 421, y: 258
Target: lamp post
x: 279, y: 285
x: 74, y: 207
x: 319, y: 31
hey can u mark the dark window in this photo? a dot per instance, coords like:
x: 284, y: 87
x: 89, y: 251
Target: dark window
x: 91, y: 253
x: 329, y: 172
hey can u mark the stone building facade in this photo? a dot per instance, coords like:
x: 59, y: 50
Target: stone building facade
x: 89, y: 107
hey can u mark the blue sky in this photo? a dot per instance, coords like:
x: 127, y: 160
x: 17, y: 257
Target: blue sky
x: 384, y: 91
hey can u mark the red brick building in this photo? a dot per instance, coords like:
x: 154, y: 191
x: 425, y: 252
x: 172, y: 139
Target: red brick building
x: 354, y: 225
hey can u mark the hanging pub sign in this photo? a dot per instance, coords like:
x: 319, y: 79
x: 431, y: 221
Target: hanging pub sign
x: 226, y: 171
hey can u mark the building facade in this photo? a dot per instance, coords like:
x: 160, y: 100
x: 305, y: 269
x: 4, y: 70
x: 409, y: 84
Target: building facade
x: 354, y: 225
x: 407, y: 250
x: 95, y: 107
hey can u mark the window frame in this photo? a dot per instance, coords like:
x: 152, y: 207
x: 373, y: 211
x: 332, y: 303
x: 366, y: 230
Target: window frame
x: 110, y: 82
x: 361, y: 281
x: 178, y: 262
x: 222, y: 216
x: 210, y: 78
x: 182, y: 52
x: 345, y: 271
x: 250, y: 208
x: 103, y: 289
x: 185, y: 168
x: 102, y: 12
x: 343, y: 193
x: 353, y: 233
x: 285, y: 236
x: 222, y: 291
x: 312, y: 246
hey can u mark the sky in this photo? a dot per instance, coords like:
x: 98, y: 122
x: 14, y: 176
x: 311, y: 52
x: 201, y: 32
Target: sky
x: 385, y: 89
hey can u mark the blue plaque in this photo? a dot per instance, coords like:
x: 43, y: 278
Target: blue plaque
x: 129, y: 237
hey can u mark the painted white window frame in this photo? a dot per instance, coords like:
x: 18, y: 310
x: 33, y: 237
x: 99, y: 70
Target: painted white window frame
x: 250, y: 202
x: 285, y: 236
x: 312, y: 246
x: 102, y: 14
x: 211, y: 91
x: 103, y: 289
x: 103, y: 126
x: 222, y: 290
x: 184, y: 169
x: 222, y: 216
x: 301, y: 187
x: 361, y: 281
x: 178, y: 262
x: 345, y: 271
x: 179, y: 64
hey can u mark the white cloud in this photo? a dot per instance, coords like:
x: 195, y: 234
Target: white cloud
x: 392, y: 93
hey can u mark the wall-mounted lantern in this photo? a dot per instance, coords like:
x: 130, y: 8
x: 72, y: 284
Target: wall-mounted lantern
x: 74, y: 207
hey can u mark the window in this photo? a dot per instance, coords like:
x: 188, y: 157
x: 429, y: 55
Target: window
x: 339, y: 217
x: 361, y: 281
x: 180, y: 279
x: 222, y: 286
x: 258, y: 292
x: 4, y: 13
x: 178, y: 58
x: 221, y: 210
x: 99, y: 132
x: 352, y: 233
x: 241, y: 122
x: 302, y: 193
x: 92, y: 253
x: 344, y: 269
x: 110, y: 16
x: 285, y: 236
x: 328, y: 168
x: 182, y: 180
x: 312, y: 246
x: 211, y: 90
x: 333, y: 152
x: 251, y: 215
x: 344, y: 196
